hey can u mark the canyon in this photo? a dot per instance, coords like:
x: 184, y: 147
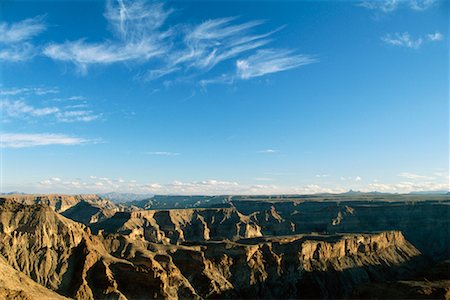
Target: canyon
x: 182, y: 247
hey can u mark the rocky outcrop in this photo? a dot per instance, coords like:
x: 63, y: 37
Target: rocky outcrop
x: 270, y: 267
x: 307, y: 266
x: 64, y: 256
x: 234, y: 252
x: 16, y: 285
x: 176, y: 226
x: 424, y: 223
x: 85, y: 209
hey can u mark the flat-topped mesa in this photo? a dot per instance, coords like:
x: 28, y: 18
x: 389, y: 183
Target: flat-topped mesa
x: 296, y: 266
x: 179, y: 225
x: 322, y: 251
x: 424, y: 223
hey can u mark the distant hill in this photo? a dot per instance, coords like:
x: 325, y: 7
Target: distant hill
x: 124, y: 197
x: 431, y: 193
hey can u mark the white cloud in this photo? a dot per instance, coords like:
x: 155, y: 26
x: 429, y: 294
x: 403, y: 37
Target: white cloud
x: 76, y: 98
x: 420, y: 5
x: 158, y: 73
x: 132, y: 20
x: 356, y: 178
x: 14, y: 39
x: 84, y: 54
x: 405, y: 40
x: 434, y: 37
x: 23, y: 140
x: 20, y: 109
x: 39, y: 91
x: 77, y: 116
x: 136, y: 26
x: 322, y: 175
x: 141, y: 35
x: 21, y: 31
x: 17, y: 53
x: 407, y: 187
x: 268, y: 151
x: 414, y: 176
x: 162, y: 153
x: 270, y: 61
x: 263, y: 179
x: 385, y: 6
x: 213, y: 41
x: 97, y: 184
x: 402, y: 40
x: 82, y: 105
x: 389, y: 6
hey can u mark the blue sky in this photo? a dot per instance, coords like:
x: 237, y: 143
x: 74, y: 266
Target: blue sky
x: 252, y: 97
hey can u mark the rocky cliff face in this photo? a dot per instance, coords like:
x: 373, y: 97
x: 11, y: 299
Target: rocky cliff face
x: 16, y: 285
x: 291, y: 267
x: 85, y: 209
x: 64, y: 256
x: 425, y: 224
x: 262, y: 250
x: 176, y: 226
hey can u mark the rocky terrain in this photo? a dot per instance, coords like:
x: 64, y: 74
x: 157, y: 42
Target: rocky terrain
x: 81, y: 208
x: 86, y: 247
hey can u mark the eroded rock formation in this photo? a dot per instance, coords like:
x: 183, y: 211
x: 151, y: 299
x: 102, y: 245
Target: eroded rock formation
x: 261, y: 249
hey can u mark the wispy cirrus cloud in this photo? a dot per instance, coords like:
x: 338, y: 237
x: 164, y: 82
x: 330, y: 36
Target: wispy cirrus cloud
x: 263, y: 62
x: 17, y: 53
x: 83, y: 54
x: 388, y: 6
x: 211, y: 42
x: 21, y: 109
x: 39, y: 91
x: 21, y: 31
x: 141, y: 34
x: 24, y: 140
x: 137, y: 37
x: 402, y: 40
x: 415, y: 176
x: 270, y: 61
x: 15, y: 45
x: 13, y: 105
x: 163, y: 153
x: 77, y: 116
x: 268, y: 151
x: 406, y: 40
